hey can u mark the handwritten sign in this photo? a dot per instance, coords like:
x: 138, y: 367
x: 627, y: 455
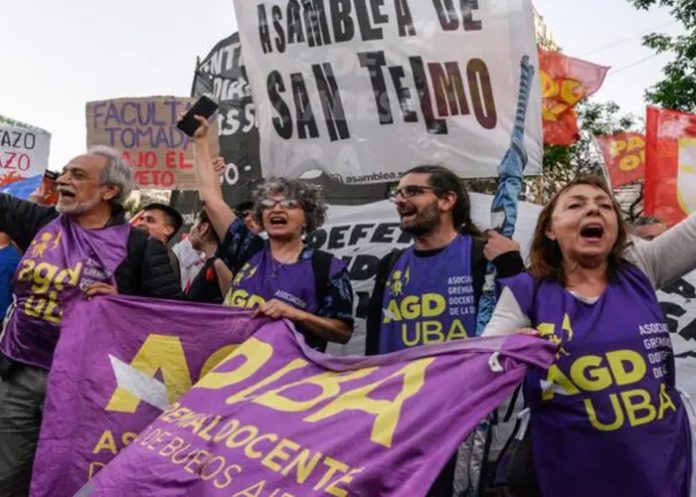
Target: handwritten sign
x: 145, y: 130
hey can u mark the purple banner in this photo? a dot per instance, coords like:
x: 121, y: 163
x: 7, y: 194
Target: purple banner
x: 276, y: 419
x: 119, y: 363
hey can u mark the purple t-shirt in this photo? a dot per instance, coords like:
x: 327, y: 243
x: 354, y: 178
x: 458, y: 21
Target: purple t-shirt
x: 261, y: 278
x: 429, y: 300
x: 62, y: 259
x: 606, y: 418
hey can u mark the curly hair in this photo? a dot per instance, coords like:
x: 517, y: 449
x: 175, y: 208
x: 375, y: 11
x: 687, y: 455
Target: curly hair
x: 308, y: 195
x: 545, y: 257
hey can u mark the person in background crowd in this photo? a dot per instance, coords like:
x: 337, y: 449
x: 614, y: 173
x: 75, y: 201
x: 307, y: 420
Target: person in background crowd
x: 9, y: 258
x: 280, y: 277
x: 648, y: 227
x: 245, y: 212
x: 81, y: 248
x: 190, y: 261
x: 606, y: 418
x: 162, y: 222
x: 429, y: 293
x: 214, y: 279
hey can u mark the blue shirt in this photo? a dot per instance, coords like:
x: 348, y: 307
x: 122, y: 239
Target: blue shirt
x: 9, y: 258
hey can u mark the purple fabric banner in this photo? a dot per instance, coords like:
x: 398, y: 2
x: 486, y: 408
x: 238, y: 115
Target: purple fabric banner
x: 276, y: 419
x: 119, y: 363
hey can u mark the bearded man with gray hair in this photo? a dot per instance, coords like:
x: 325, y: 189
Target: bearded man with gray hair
x: 81, y: 248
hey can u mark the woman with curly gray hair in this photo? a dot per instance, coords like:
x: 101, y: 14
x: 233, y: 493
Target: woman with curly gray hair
x: 280, y: 277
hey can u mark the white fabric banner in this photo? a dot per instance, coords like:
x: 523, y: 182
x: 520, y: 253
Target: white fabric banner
x: 678, y: 302
x: 362, y: 235
x: 365, y: 90
x: 23, y: 152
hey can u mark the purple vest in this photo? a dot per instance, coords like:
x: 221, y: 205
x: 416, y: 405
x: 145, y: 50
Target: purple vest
x: 62, y: 259
x: 262, y: 279
x: 429, y: 300
x: 606, y: 418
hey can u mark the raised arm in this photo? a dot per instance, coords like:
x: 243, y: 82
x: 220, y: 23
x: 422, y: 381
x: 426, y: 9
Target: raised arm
x: 221, y: 215
x: 21, y: 219
x: 669, y: 256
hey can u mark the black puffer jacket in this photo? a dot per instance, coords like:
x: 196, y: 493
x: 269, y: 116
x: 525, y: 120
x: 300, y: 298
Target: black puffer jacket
x: 145, y: 272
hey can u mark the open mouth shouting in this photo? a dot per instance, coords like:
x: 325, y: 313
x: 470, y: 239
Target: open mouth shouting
x: 407, y: 213
x: 592, y: 232
x: 66, y: 192
x: 278, y: 220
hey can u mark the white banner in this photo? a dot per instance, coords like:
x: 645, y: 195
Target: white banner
x: 23, y: 152
x: 678, y: 302
x: 365, y: 90
x: 362, y: 235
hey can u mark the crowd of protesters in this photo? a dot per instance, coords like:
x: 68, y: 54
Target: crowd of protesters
x: 589, y: 287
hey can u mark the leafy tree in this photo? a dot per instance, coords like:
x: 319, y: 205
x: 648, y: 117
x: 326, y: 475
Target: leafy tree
x: 678, y: 88
x: 563, y: 163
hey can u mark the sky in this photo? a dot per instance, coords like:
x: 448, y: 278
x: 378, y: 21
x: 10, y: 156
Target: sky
x: 58, y: 55
x: 609, y: 33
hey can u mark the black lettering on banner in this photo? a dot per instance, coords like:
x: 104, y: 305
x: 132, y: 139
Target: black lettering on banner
x: 672, y: 313
x: 374, y: 61
x: 277, y: 15
x: 482, y: 93
x: 682, y: 288
x: 315, y: 21
x: 447, y: 14
x: 404, y: 19
x: 360, y: 232
x: 303, y: 107
x: 449, y: 17
x: 331, y: 102
x: 404, y: 94
x: 449, y: 89
x: 316, y: 239
x: 433, y: 125
x: 337, y: 237
x: 468, y: 6
x: 363, y: 267
x: 295, y: 29
x: 385, y: 233
x: 264, y: 34
x: 344, y: 28
x: 283, y: 123
x: 367, y: 31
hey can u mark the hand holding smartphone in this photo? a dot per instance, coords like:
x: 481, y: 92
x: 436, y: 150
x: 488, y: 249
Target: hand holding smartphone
x: 204, y: 107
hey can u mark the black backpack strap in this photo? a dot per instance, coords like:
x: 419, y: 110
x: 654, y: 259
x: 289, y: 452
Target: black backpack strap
x: 478, y: 267
x: 374, y: 312
x: 321, y: 266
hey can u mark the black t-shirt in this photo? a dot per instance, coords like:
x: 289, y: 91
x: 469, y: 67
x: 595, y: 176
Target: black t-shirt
x: 205, y: 287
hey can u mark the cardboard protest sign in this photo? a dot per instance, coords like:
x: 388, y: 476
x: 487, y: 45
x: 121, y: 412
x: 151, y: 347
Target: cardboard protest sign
x: 121, y: 361
x: 276, y: 418
x: 23, y: 152
x: 144, y: 129
x: 366, y: 93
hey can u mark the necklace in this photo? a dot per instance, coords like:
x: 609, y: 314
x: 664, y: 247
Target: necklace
x: 277, y: 264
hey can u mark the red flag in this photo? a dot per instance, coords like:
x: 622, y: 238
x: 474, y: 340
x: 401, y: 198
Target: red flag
x: 670, y: 167
x: 624, y: 157
x: 564, y: 82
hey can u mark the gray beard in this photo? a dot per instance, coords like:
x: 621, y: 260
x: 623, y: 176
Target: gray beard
x: 79, y: 208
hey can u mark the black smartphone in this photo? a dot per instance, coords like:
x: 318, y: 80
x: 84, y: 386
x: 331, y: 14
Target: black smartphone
x: 204, y: 107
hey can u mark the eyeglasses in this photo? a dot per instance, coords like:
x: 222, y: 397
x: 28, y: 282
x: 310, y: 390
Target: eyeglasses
x: 411, y: 191
x: 286, y: 203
